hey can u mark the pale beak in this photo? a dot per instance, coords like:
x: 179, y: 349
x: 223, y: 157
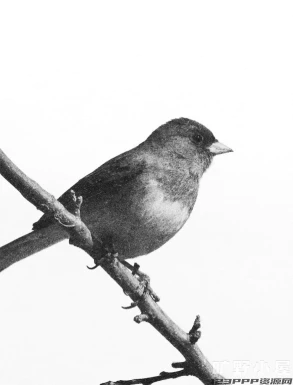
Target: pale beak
x: 219, y: 148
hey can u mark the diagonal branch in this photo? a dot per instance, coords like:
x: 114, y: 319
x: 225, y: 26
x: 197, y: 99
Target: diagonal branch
x: 196, y: 364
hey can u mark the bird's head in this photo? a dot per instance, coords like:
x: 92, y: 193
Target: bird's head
x: 184, y: 138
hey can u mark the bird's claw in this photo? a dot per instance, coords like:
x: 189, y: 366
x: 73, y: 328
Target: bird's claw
x: 97, y: 263
x: 144, y: 281
x: 108, y: 252
x: 135, y: 268
x: 93, y: 267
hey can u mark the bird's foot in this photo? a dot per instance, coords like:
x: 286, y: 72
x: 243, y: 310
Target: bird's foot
x: 106, y: 250
x: 143, y: 279
x: 100, y: 253
x: 97, y: 263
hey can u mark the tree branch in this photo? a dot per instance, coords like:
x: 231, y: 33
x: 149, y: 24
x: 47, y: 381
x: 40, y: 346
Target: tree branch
x: 196, y: 364
x: 150, y: 380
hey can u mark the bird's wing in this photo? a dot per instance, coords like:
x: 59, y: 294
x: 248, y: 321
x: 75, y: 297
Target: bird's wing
x: 108, y: 179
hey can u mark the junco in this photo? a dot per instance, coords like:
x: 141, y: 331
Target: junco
x: 137, y: 200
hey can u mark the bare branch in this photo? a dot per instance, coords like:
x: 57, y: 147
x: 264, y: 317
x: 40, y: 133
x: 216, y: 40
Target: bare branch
x: 44, y: 201
x: 196, y: 364
x: 151, y: 380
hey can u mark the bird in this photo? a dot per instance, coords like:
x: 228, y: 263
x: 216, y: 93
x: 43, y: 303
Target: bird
x: 137, y: 201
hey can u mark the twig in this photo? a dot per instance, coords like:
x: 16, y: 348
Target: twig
x: 150, y: 380
x: 196, y: 364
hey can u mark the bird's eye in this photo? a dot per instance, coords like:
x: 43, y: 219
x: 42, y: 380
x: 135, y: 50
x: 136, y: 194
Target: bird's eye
x: 198, y: 138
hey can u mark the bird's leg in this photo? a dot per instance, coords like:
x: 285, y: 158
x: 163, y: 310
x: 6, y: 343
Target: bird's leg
x: 106, y: 249
x: 143, y: 278
x: 100, y: 252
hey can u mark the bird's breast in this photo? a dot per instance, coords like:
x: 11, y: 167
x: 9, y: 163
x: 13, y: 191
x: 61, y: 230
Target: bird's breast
x: 144, y: 217
x: 161, y: 212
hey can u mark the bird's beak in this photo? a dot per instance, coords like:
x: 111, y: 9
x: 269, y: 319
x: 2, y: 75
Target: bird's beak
x: 219, y: 148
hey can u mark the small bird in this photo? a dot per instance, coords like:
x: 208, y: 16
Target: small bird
x: 137, y: 200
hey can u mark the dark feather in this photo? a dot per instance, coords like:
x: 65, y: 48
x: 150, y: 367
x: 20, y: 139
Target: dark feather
x: 108, y: 179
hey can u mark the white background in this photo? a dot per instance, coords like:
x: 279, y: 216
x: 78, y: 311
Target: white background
x: 81, y: 82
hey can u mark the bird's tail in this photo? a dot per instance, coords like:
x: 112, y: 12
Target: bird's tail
x: 29, y: 244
